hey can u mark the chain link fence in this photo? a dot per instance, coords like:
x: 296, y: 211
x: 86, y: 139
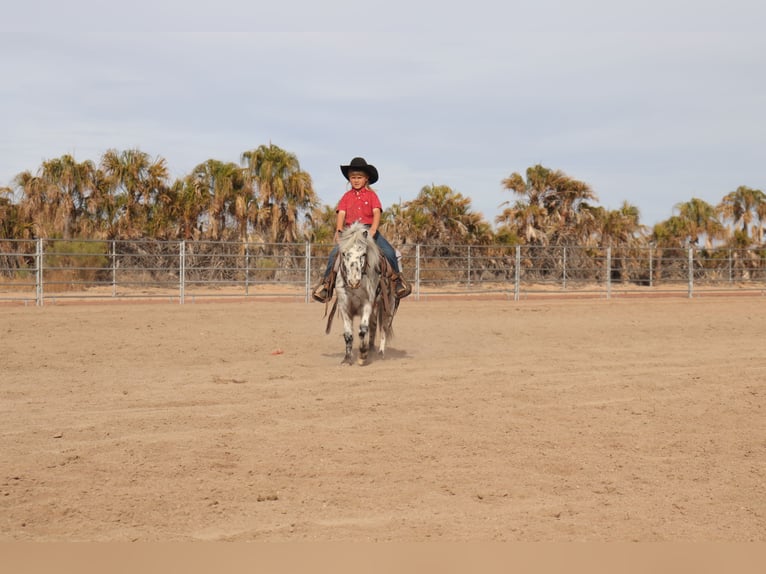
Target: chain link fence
x: 49, y: 271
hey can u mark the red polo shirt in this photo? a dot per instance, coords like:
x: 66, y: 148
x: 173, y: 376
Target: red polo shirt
x: 358, y: 205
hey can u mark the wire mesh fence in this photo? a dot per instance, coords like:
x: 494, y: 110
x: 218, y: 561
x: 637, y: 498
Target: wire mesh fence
x: 54, y: 270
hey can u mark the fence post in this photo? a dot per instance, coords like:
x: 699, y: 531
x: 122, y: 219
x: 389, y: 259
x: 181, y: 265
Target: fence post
x: 731, y: 268
x: 517, y: 274
x: 307, y: 294
x: 651, y: 267
x: 114, y: 269
x: 691, y: 271
x: 564, y: 270
x: 181, y: 271
x: 247, y: 268
x: 417, y: 272
x: 609, y: 272
x: 468, y: 282
x: 39, y: 293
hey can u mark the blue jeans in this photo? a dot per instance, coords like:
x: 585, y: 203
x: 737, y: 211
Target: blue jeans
x: 382, y: 243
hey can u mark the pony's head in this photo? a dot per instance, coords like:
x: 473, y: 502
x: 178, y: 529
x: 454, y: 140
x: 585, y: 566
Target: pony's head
x: 359, y: 254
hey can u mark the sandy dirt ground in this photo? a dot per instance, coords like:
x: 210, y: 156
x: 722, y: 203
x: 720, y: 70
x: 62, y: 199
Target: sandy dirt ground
x: 639, y: 420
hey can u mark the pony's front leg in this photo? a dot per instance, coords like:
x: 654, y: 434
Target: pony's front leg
x: 348, y: 336
x: 364, y: 333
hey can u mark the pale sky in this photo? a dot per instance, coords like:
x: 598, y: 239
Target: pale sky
x: 650, y: 102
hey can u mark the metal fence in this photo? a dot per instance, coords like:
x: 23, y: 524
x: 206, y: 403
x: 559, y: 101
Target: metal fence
x: 48, y: 271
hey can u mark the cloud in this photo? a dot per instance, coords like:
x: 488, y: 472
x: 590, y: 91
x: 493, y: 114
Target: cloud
x: 651, y: 102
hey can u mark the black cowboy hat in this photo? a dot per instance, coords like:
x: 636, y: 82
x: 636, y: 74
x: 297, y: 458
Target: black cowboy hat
x: 360, y: 164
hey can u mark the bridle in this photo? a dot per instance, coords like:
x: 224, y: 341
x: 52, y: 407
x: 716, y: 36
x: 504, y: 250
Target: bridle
x: 344, y: 273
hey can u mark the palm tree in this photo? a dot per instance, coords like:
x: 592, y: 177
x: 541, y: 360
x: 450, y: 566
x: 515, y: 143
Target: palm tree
x: 103, y: 208
x: 441, y: 215
x: 6, y: 195
x: 619, y: 229
x: 54, y: 199
x: 695, y: 219
x: 69, y: 184
x: 397, y: 224
x: 35, y: 205
x: 135, y: 180
x: 245, y: 206
x: 223, y: 189
x: 11, y: 227
x: 323, y: 221
x: 165, y: 221
x: 285, y: 193
x: 552, y: 206
x: 190, y: 200
x: 761, y: 215
x: 10, y: 217
x: 481, y: 232
x: 670, y: 233
x: 618, y: 226
x: 744, y: 206
x: 524, y: 220
x: 698, y: 218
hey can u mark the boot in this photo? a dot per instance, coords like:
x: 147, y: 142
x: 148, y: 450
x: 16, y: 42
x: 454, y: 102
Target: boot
x: 323, y: 292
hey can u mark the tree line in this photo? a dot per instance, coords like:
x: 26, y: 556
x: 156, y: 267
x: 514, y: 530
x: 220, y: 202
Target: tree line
x: 268, y: 198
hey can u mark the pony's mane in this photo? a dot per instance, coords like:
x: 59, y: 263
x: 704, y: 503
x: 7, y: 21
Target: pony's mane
x: 355, y: 235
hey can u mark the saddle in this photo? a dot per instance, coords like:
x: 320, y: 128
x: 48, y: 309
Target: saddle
x: 388, y: 279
